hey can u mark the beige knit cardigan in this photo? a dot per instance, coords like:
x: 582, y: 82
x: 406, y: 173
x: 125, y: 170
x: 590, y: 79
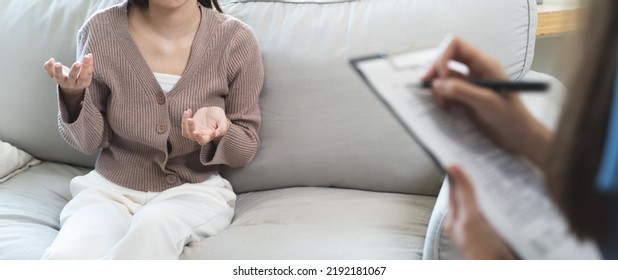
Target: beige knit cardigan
x: 137, y: 127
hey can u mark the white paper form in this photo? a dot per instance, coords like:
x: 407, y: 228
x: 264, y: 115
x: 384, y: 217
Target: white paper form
x: 510, y: 194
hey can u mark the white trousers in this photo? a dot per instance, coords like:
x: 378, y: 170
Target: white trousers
x: 107, y: 221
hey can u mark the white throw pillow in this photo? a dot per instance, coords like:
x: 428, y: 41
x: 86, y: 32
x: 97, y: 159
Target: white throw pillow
x: 13, y: 161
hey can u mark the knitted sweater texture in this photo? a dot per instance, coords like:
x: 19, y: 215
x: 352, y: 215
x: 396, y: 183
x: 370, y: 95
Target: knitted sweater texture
x: 137, y: 128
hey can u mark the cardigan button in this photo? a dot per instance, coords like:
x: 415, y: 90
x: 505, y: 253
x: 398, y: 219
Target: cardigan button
x: 161, y: 128
x: 162, y: 157
x: 171, y: 179
x: 161, y: 98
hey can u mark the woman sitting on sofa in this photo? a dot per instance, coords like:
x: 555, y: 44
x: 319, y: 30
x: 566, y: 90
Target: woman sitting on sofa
x: 168, y: 91
x: 581, y: 167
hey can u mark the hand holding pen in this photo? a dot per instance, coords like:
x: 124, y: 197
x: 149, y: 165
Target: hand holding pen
x: 502, y: 117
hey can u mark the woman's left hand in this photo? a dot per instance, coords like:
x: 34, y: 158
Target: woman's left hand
x: 466, y: 226
x: 208, y: 124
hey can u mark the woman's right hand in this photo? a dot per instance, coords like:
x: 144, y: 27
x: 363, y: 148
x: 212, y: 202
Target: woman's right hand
x: 503, y: 118
x: 72, y: 81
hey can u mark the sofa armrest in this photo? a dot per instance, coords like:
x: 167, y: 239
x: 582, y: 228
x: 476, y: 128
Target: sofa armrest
x: 437, y: 244
x: 545, y: 107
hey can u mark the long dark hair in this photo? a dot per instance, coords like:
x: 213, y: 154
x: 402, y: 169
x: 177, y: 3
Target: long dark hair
x: 574, y: 162
x: 142, y: 4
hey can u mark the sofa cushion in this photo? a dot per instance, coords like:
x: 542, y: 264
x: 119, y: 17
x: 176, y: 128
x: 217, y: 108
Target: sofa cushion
x: 321, y: 125
x: 321, y: 223
x: 30, y: 204
x: 292, y: 223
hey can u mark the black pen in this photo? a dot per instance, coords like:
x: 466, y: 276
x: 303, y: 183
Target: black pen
x: 499, y: 86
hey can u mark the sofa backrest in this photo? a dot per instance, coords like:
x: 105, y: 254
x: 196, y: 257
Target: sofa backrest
x: 321, y: 125
x: 32, y: 31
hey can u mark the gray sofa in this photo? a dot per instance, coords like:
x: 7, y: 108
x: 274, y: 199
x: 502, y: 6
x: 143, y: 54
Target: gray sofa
x: 336, y: 176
